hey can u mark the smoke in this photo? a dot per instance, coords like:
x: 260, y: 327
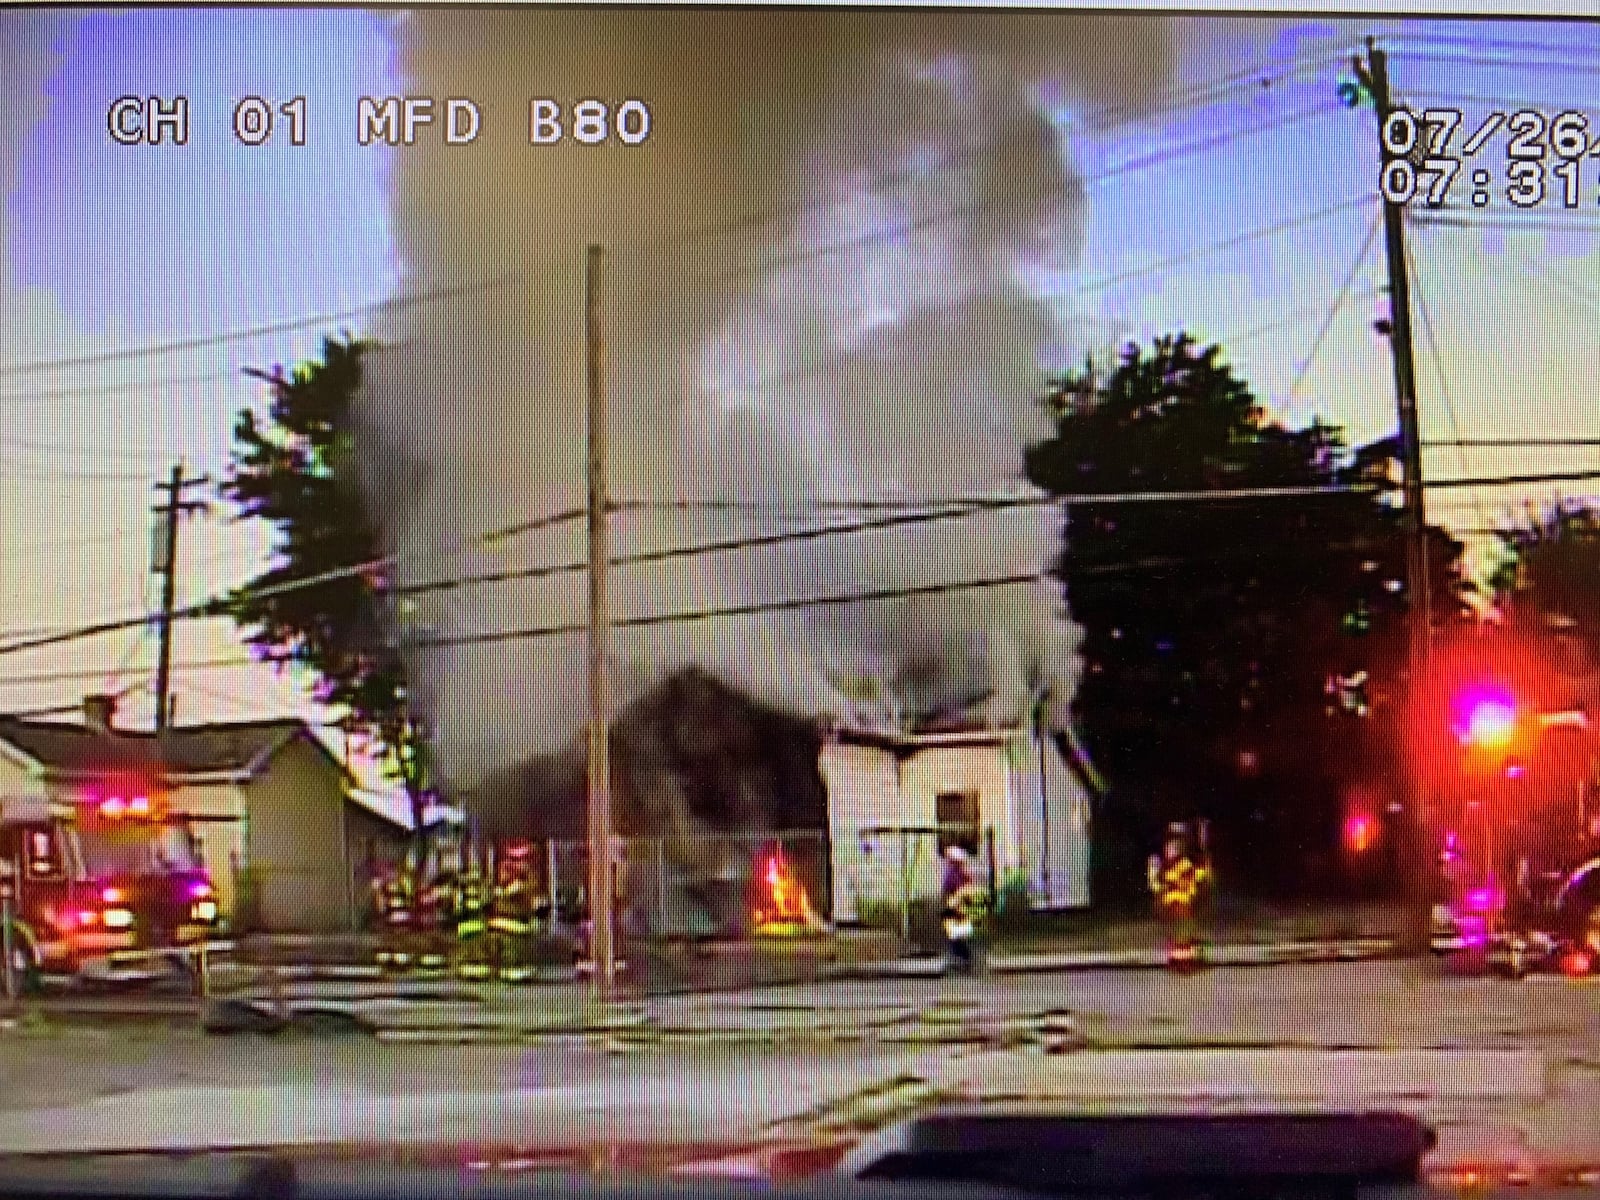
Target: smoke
x: 816, y: 288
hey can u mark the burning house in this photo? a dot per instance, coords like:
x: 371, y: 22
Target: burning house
x: 1006, y: 794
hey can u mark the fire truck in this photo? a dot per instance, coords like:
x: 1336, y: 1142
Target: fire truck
x: 96, y: 877
x: 1519, y: 885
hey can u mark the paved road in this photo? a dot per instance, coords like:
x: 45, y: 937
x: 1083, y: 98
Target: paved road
x: 1445, y: 1043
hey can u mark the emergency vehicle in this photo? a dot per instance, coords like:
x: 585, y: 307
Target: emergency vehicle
x: 96, y: 877
x: 1521, y: 892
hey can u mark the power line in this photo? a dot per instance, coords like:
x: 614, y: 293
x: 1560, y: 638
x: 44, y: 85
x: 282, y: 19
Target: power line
x: 1338, y: 303
x: 1444, y: 384
x: 1107, y: 117
x: 819, y: 367
x: 1227, y: 243
x: 1445, y: 219
x: 1517, y: 443
x: 110, y: 389
x: 58, y: 476
x: 455, y: 291
x: 1513, y: 64
x: 213, y: 606
x: 1429, y: 38
x: 11, y: 550
x: 129, y: 354
x: 26, y: 448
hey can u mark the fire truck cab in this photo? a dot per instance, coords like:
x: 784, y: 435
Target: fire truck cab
x: 96, y: 878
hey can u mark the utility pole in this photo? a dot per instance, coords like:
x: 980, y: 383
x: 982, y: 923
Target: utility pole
x: 1373, y: 76
x: 601, y: 899
x: 164, y: 562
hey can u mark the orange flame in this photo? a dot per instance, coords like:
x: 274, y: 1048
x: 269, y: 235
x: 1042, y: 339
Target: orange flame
x: 789, y: 901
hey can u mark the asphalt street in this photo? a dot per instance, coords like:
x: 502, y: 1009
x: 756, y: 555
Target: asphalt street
x: 1506, y: 1069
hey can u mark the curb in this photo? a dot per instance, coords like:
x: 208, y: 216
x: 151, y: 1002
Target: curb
x: 1231, y: 956
x: 1052, y: 1032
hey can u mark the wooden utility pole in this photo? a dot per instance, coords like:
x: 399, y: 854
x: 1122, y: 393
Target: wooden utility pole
x: 601, y: 900
x: 1374, y: 79
x: 1375, y: 75
x: 164, y: 562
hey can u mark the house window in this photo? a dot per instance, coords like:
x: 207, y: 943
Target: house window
x: 956, y: 814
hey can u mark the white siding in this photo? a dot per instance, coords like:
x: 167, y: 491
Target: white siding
x: 978, y: 768
x: 865, y: 790
x: 1070, y: 831
x: 862, y: 793
x: 15, y: 779
x: 216, y: 815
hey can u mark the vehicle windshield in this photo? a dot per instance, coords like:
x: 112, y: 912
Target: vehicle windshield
x: 137, y: 850
x: 723, y: 572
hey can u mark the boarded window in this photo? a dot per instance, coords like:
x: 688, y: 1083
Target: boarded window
x: 957, y: 816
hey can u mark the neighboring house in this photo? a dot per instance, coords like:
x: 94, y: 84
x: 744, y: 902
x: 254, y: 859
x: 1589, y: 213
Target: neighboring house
x: 279, y: 823
x: 896, y: 801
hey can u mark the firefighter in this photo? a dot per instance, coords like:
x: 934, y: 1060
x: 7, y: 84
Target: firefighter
x: 511, y: 917
x: 440, y: 900
x: 1177, y: 876
x: 473, y: 947
x: 396, y: 896
x: 962, y: 910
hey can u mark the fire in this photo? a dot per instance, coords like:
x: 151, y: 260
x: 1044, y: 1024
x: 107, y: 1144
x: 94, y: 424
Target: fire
x: 787, y: 902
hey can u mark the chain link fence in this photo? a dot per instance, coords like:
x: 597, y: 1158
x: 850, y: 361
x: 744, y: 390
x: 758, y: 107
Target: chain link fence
x: 709, y: 887
x: 892, y: 876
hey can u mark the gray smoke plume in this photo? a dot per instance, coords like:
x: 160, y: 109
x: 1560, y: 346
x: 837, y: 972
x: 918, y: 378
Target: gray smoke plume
x: 816, y: 288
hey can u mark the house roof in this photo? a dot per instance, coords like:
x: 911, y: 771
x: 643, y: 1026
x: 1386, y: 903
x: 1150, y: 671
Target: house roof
x: 237, y: 749
x: 395, y: 808
x: 910, y: 743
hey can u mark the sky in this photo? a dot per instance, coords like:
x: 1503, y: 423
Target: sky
x: 1242, y: 213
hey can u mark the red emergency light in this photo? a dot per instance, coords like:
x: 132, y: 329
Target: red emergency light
x: 117, y: 806
x: 1360, y: 831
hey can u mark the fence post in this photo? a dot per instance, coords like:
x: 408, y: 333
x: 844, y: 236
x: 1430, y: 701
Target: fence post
x: 660, y: 923
x: 905, y: 890
x: 550, y: 879
x: 10, y: 968
x: 994, y: 881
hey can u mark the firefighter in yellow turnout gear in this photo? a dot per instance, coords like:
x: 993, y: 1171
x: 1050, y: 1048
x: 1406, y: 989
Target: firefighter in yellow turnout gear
x: 438, y: 921
x: 511, y: 917
x: 474, y: 950
x: 1177, y: 877
x: 396, y: 897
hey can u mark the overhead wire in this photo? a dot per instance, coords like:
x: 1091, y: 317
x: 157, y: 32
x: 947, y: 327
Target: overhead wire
x: 458, y: 290
x: 215, y: 606
x: 160, y: 349
x: 1099, y: 120
x: 1439, y: 374
x: 1333, y: 311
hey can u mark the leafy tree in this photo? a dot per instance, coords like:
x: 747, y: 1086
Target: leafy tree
x: 1548, y: 581
x: 297, y: 471
x: 1240, y: 653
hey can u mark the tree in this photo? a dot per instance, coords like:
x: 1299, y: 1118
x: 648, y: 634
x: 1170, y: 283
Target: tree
x: 1240, y: 653
x: 297, y: 472
x: 1548, y: 581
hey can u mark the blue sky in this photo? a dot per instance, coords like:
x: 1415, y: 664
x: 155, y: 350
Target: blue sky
x: 105, y: 247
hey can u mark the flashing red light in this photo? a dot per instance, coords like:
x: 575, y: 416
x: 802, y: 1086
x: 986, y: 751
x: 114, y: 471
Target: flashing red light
x: 1491, y: 723
x: 1577, y: 962
x: 1360, y: 831
x: 86, y: 917
x: 112, y: 806
x: 139, y: 806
